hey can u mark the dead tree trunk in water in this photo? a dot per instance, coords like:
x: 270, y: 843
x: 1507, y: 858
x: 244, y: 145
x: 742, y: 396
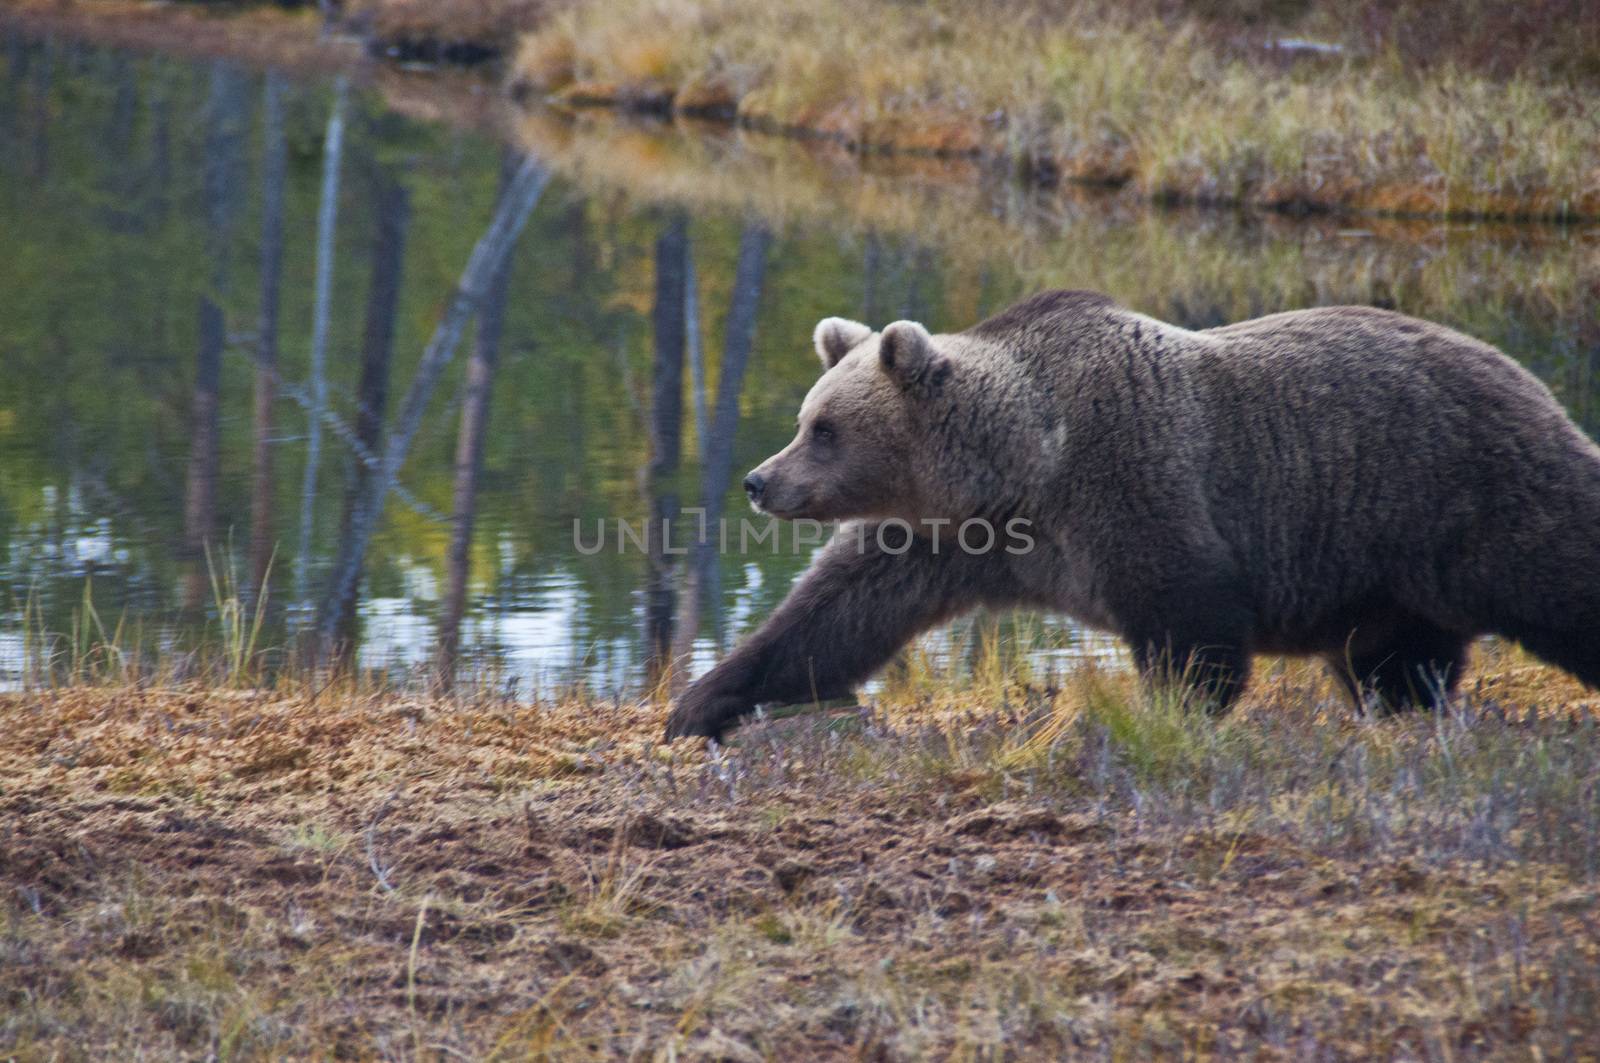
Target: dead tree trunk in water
x: 469, y: 458
x: 327, y: 220
x: 487, y: 258
x: 274, y: 168
x: 393, y: 205
x: 666, y: 420
x: 716, y: 467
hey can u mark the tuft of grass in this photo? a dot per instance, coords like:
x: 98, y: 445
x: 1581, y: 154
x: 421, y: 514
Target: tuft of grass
x: 87, y: 652
x: 613, y: 892
x: 240, y: 621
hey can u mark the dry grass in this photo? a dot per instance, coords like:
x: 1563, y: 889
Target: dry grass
x: 977, y: 867
x: 1163, y: 104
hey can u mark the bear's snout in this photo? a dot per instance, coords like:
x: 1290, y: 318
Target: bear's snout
x: 755, y: 486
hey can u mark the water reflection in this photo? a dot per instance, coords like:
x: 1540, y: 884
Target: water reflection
x: 469, y: 450
x: 233, y: 312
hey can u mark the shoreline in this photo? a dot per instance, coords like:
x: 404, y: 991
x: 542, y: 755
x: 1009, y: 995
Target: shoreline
x: 1047, y: 175
x: 1174, y: 110
x: 288, y: 38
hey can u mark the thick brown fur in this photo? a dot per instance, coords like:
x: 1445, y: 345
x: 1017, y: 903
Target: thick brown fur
x: 1343, y: 482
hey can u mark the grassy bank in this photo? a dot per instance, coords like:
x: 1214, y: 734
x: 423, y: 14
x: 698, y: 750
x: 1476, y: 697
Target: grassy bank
x: 1181, y: 107
x: 1475, y: 109
x: 969, y: 868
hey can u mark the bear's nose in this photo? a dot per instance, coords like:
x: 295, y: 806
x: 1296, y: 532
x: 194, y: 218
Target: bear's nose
x: 755, y: 485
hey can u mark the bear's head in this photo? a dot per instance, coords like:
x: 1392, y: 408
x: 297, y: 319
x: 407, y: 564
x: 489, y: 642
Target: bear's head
x: 862, y: 428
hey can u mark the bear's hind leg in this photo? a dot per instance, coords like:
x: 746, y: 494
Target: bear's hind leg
x: 1197, y: 638
x: 1417, y: 667
x: 1216, y: 670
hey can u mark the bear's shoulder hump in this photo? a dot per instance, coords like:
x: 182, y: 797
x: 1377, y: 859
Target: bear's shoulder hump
x: 1042, y: 306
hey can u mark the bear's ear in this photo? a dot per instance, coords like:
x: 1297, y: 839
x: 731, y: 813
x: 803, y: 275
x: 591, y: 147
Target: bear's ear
x: 836, y: 337
x: 907, y: 355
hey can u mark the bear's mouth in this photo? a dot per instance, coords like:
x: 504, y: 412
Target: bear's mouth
x: 767, y: 507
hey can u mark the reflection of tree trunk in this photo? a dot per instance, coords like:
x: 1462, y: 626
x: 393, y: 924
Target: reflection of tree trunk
x: 159, y: 180
x: 704, y: 590
x: 917, y: 305
x: 200, y: 498
x: 697, y: 354
x: 1591, y: 360
x: 18, y: 48
x: 16, y: 62
x: 469, y: 459
x: 225, y: 129
x: 487, y: 259
x: 120, y: 119
x: 327, y: 219
x: 985, y: 292
x: 377, y: 352
x: 666, y: 419
x: 580, y: 276
x: 43, y: 75
x: 274, y: 166
x: 1583, y: 360
x: 871, y: 266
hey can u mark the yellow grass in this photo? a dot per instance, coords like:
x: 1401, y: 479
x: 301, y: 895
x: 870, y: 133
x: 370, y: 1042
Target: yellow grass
x: 1159, y: 104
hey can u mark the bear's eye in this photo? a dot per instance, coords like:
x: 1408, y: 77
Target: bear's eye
x: 822, y: 432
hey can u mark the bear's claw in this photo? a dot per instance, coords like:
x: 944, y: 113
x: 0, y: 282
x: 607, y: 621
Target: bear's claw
x: 685, y: 725
x: 703, y: 717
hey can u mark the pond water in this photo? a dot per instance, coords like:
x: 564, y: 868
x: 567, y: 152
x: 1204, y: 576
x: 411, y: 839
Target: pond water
x: 647, y: 342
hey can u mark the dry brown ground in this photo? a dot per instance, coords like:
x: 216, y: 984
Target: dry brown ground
x: 1077, y: 872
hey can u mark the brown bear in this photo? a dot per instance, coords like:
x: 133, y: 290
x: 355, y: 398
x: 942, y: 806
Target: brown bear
x: 1344, y: 482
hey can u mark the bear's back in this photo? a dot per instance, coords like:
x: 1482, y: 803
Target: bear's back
x: 1381, y: 372
x: 1333, y: 448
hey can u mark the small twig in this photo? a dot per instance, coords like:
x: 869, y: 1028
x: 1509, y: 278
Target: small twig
x: 378, y: 870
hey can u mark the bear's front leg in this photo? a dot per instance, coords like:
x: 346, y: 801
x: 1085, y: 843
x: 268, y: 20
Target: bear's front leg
x: 860, y: 601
